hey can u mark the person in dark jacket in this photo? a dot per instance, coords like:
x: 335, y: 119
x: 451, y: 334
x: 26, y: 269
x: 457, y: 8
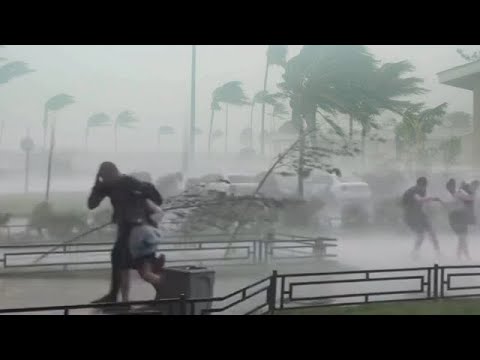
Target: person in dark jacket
x: 415, y: 217
x: 128, y: 197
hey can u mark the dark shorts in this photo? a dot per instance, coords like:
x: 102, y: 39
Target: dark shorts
x: 143, y: 259
x: 418, y: 223
x: 459, y: 222
x: 121, y: 257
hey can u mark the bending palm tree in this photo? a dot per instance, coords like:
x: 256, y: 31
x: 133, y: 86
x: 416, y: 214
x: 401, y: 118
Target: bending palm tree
x: 416, y: 124
x: 264, y: 98
x: 276, y: 55
x: 27, y: 145
x: 12, y: 70
x: 125, y: 119
x: 279, y: 112
x: 53, y: 105
x: 230, y: 93
x: 94, y: 121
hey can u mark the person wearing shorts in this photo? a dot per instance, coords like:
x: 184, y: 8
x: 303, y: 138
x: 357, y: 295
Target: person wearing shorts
x: 416, y: 218
x: 128, y: 197
x: 142, y: 248
x: 461, y: 213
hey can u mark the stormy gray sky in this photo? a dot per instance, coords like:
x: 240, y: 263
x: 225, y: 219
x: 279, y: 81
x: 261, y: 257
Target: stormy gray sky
x: 154, y: 82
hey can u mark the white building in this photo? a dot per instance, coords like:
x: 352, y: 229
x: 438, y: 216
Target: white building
x: 468, y: 77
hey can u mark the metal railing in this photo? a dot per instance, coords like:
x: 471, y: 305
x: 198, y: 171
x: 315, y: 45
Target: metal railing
x: 199, y: 252
x: 174, y: 306
x: 282, y: 292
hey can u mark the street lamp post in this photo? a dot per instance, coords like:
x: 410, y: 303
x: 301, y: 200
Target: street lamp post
x: 192, y: 104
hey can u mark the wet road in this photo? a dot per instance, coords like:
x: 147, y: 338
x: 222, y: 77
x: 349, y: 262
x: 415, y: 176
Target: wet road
x: 357, y: 249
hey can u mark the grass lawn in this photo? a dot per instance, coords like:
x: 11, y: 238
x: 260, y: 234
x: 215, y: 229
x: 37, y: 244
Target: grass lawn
x: 63, y: 202
x: 439, y: 307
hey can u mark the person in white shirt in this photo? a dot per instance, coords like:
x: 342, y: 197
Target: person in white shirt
x: 460, y: 213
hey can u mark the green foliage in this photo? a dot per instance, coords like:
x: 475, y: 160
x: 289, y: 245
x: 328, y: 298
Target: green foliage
x: 99, y: 120
x: 126, y: 119
x: 279, y: 111
x: 475, y: 56
x: 277, y: 55
x: 419, y: 121
x: 230, y: 93
x: 58, y: 102
x: 451, y: 150
x: 12, y: 70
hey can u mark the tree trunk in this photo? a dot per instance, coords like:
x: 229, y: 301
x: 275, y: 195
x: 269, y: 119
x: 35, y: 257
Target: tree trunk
x: 210, y: 131
x: 50, y: 158
x: 364, y: 156
x: 115, y: 136
x: 262, y: 141
x: 350, y: 126
x: 251, y: 125
x: 226, y: 128
x: 27, y: 170
x: 301, y: 154
x: 192, y: 103
x: 45, y: 127
x: 312, y: 126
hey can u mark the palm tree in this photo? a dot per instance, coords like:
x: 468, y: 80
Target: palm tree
x: 95, y: 121
x: 27, y: 145
x: 264, y: 98
x: 276, y: 55
x: 417, y: 122
x: 125, y: 119
x: 193, y: 103
x: 279, y: 112
x: 331, y: 79
x: 53, y: 105
x: 230, y: 93
x: 13, y: 70
x: 217, y: 134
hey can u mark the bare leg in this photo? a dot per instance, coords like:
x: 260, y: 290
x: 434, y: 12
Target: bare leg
x: 434, y: 240
x: 146, y: 273
x: 459, y: 247
x: 418, y: 243
x: 463, y: 246
x: 125, y: 285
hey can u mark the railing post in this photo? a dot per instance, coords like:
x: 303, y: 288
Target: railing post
x: 272, y: 293
x: 435, y: 281
x: 183, y: 305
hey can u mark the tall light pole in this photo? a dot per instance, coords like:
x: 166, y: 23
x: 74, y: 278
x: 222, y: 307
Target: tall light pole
x: 192, y: 104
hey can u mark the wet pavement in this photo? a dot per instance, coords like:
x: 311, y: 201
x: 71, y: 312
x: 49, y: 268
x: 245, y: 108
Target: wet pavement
x: 356, y: 250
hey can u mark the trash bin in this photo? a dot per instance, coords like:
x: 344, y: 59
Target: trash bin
x: 193, y: 282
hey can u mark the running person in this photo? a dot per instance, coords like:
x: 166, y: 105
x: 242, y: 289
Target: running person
x: 458, y: 215
x: 128, y: 197
x: 415, y: 217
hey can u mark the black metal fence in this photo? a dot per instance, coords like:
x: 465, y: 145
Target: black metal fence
x: 198, y: 252
x: 304, y: 290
